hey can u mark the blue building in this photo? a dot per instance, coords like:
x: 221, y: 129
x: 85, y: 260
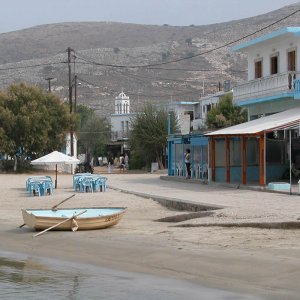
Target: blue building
x: 177, y: 146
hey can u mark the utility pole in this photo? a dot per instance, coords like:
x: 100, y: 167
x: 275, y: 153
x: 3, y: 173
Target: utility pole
x: 70, y: 80
x: 49, y: 83
x: 70, y: 99
x: 75, y: 94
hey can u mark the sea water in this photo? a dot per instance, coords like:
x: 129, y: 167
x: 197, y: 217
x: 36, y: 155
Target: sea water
x: 25, y: 277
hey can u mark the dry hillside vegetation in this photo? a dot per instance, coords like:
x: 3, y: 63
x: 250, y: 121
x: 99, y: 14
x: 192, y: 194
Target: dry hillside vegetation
x: 127, y: 45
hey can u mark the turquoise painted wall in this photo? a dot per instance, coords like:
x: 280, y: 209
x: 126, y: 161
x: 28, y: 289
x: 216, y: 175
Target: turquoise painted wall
x: 274, y: 172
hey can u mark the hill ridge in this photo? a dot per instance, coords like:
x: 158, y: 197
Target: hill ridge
x: 131, y: 44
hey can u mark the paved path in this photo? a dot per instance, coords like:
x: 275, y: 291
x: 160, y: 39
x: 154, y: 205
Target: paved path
x: 239, y: 203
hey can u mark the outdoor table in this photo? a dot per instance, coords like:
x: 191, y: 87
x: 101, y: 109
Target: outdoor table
x: 76, y: 178
x: 39, y: 185
x: 89, y: 183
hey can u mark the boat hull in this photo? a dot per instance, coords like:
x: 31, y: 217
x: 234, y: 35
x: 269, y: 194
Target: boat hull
x: 85, y: 221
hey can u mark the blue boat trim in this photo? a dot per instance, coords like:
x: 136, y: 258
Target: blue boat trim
x: 68, y: 213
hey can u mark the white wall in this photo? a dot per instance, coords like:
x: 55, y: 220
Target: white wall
x: 116, y: 121
x: 265, y: 50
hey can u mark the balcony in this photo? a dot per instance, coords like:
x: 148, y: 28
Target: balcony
x: 279, y: 85
x: 119, y: 135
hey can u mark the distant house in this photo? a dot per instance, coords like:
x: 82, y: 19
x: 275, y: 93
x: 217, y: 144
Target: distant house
x: 185, y: 113
x: 192, y: 115
x: 204, y: 106
x: 273, y: 73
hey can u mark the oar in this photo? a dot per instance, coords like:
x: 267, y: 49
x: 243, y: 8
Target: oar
x: 66, y: 220
x: 54, y: 207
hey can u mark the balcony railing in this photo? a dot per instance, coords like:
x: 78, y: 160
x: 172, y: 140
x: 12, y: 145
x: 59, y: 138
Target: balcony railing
x: 119, y: 135
x: 265, y: 87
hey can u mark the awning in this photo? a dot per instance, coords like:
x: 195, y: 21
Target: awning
x: 288, y: 119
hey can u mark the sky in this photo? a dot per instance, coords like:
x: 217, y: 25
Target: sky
x: 20, y: 14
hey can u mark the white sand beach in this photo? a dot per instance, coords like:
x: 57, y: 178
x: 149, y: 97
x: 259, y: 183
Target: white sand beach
x: 260, y: 262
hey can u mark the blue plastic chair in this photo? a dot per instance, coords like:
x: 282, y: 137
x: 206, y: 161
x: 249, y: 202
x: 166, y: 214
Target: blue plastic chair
x: 87, y: 185
x: 100, y: 184
x: 47, y: 187
x: 34, y: 189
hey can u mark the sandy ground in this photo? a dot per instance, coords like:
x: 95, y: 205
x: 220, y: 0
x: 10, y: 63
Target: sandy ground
x: 260, y: 262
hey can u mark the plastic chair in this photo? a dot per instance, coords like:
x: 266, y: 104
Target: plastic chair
x: 35, y: 189
x: 100, y: 185
x: 87, y: 185
x: 47, y: 187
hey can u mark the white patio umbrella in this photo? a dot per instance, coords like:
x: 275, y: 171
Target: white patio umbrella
x: 55, y: 158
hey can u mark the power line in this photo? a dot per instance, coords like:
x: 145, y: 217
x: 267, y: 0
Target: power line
x: 172, y: 69
x: 186, y: 93
x: 33, y: 66
x: 198, y: 70
x: 137, y: 77
x: 190, y: 56
x: 151, y: 66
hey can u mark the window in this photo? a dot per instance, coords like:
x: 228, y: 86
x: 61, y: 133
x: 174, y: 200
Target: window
x: 274, y: 65
x: 190, y: 113
x: 292, y: 60
x: 258, y: 68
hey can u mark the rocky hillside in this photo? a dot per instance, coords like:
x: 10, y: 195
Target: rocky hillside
x: 103, y: 51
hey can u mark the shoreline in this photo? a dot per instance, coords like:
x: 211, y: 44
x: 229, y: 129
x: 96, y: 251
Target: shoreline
x: 259, y: 262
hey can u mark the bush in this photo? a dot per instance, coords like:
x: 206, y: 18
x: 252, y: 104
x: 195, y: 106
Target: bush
x: 136, y: 162
x: 7, y: 166
x: 116, y: 50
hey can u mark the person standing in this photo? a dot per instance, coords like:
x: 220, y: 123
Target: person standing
x: 126, y: 159
x: 122, y: 164
x: 110, y: 164
x: 187, y: 161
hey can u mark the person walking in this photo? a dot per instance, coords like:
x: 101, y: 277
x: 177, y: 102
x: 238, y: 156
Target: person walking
x: 187, y: 161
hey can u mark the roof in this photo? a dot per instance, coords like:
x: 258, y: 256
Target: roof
x: 284, y: 120
x: 184, y: 103
x: 284, y: 31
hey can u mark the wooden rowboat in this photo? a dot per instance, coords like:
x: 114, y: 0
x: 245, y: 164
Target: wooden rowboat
x: 73, y: 218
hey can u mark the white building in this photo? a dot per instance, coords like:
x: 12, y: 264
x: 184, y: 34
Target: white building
x: 192, y: 115
x: 120, y: 121
x: 273, y: 72
x: 185, y: 114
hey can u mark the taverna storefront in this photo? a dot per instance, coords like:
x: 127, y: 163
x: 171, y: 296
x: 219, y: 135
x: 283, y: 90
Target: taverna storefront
x: 259, y: 151
x: 256, y: 152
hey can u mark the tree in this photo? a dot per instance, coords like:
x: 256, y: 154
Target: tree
x: 116, y: 50
x: 148, y: 137
x: 225, y: 114
x: 93, y: 132
x: 32, y: 122
x: 189, y: 41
